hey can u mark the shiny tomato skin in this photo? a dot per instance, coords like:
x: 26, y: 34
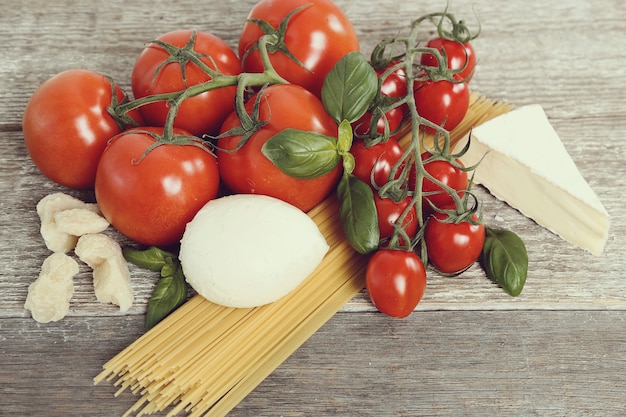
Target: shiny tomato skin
x: 452, y: 248
x: 317, y: 36
x: 394, y: 120
x: 442, y: 101
x: 461, y: 56
x: 248, y: 171
x: 66, y: 126
x: 389, y: 212
x: 449, y: 175
x: 151, y: 200
x: 201, y: 114
x: 393, y: 86
x: 395, y: 281
x: 378, y: 159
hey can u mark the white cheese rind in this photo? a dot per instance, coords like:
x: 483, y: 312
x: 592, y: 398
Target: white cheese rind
x: 526, y: 165
x: 249, y: 250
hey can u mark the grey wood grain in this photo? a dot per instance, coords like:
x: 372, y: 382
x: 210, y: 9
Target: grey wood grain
x: 558, y: 349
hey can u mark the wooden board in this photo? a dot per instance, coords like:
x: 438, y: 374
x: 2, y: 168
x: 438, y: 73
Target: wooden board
x: 556, y: 350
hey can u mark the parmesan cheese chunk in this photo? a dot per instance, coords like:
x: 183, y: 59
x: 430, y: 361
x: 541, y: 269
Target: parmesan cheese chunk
x: 526, y: 165
x: 81, y: 221
x: 64, y: 218
x: 49, y: 295
x: 111, y: 277
x: 248, y: 250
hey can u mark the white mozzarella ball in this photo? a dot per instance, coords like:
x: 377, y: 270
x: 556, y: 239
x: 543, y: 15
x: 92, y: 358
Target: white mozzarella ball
x: 247, y: 250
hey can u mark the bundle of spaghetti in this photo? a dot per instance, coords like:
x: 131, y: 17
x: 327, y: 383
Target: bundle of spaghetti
x: 204, y: 358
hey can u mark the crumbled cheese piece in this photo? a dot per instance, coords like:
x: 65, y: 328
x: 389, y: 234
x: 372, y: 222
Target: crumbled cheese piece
x: 64, y: 218
x: 110, y: 271
x: 49, y: 296
x: 80, y: 221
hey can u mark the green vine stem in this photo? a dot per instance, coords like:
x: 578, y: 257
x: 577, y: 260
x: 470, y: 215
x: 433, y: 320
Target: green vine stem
x: 407, y: 50
x: 218, y: 80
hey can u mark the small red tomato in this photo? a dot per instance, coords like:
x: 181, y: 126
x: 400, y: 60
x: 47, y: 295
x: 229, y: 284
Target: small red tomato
x: 317, y: 35
x: 66, y: 125
x: 393, y: 86
x: 375, y: 162
x: 453, y: 247
x: 443, y: 103
x: 461, y: 56
x: 151, y: 196
x: 389, y: 212
x: 395, y: 281
x: 450, y: 175
x: 154, y: 74
x: 247, y: 170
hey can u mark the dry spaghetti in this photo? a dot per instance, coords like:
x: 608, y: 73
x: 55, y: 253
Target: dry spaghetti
x: 204, y: 359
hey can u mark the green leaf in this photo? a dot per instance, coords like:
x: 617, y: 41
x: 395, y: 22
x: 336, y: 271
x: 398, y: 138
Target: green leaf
x: 344, y: 137
x: 153, y: 259
x: 302, y: 154
x: 170, y: 292
x: 505, y: 260
x: 359, y: 219
x: 349, y: 88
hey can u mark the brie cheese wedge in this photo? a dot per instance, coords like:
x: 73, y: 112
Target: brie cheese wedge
x: 525, y: 164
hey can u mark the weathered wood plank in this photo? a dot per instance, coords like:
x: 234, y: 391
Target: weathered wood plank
x: 505, y: 363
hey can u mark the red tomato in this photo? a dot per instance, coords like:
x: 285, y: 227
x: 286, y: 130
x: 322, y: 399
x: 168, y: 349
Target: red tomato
x: 393, y: 86
x: 66, y: 126
x: 152, y: 74
x: 317, y: 36
x: 376, y: 160
x: 395, y: 281
x: 448, y: 174
x: 451, y: 247
x: 461, y: 56
x: 389, y: 213
x: 151, y: 200
x: 247, y: 170
x: 439, y: 101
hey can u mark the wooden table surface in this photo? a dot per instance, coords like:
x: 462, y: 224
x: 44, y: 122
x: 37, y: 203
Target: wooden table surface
x: 559, y: 349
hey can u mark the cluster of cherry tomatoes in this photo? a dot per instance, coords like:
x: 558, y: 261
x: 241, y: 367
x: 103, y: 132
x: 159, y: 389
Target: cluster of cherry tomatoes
x: 201, y: 114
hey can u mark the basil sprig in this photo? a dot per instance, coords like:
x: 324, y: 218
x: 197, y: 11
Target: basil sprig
x: 359, y: 219
x: 302, y: 154
x: 349, y: 88
x: 348, y: 91
x: 505, y: 260
x: 170, y: 292
x: 171, y: 289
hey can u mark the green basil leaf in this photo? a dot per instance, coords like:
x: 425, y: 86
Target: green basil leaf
x: 344, y: 137
x: 170, y: 292
x: 505, y: 260
x: 349, y: 88
x: 302, y: 154
x: 359, y: 219
x: 153, y: 259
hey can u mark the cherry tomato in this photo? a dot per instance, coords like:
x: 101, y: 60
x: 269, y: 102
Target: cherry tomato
x: 152, y: 74
x: 442, y: 101
x: 393, y: 86
x: 448, y: 174
x: 461, y: 56
x: 389, y: 212
x: 375, y: 162
x: 247, y: 170
x: 395, y: 281
x: 150, y: 197
x: 66, y: 126
x: 317, y: 36
x: 452, y: 247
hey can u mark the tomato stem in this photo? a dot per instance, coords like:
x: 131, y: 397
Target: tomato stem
x: 218, y: 80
